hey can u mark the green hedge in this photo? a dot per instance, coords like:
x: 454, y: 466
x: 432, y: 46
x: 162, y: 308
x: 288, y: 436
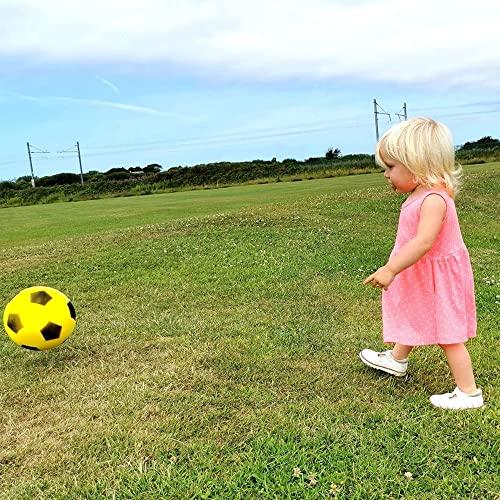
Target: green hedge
x: 122, y: 182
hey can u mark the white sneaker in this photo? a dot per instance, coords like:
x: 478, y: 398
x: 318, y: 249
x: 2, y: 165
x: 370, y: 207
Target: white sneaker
x: 458, y: 400
x: 384, y: 361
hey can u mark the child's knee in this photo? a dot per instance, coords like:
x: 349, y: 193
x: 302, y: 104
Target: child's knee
x: 453, y: 348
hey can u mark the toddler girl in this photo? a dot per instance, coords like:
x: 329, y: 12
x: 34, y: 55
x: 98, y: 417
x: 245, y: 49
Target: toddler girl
x: 427, y: 284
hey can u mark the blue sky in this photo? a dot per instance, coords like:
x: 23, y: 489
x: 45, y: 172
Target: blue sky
x: 181, y: 83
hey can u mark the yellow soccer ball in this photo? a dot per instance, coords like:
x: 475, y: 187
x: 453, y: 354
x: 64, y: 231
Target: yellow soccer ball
x: 39, y: 318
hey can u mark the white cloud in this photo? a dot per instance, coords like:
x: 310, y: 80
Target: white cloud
x: 446, y: 42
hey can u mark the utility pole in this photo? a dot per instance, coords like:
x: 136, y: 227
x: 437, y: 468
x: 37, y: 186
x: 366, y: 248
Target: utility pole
x: 31, y: 165
x: 72, y: 150
x: 404, y: 114
x: 31, y: 160
x: 376, y: 107
x: 79, y: 160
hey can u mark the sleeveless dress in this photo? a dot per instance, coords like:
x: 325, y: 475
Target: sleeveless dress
x: 432, y: 301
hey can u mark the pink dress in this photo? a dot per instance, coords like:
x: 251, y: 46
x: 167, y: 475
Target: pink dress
x: 432, y: 301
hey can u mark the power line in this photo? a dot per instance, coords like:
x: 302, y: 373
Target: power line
x: 215, y: 140
x: 243, y: 137
x: 38, y: 150
x: 295, y: 128
x: 206, y: 144
x: 76, y: 149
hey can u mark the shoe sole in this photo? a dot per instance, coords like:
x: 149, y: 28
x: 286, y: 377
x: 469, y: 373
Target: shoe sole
x: 381, y: 368
x: 443, y: 406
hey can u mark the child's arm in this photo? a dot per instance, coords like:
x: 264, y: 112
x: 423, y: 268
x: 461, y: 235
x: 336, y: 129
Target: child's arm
x: 432, y: 214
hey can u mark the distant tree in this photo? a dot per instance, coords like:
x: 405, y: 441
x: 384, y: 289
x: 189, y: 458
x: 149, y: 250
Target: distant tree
x: 311, y: 160
x: 153, y: 168
x: 483, y: 143
x: 115, y: 170
x: 332, y: 154
x: 24, y: 178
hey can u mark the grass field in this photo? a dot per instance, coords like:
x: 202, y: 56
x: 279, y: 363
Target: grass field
x: 216, y: 350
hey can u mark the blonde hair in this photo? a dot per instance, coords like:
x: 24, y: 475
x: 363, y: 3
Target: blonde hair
x: 425, y: 147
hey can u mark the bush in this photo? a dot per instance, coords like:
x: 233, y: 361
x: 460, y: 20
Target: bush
x: 118, y: 175
x: 5, y: 185
x: 59, y: 180
x: 121, y: 182
x: 484, y: 143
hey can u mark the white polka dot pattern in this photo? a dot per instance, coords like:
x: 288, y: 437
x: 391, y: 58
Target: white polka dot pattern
x: 432, y: 301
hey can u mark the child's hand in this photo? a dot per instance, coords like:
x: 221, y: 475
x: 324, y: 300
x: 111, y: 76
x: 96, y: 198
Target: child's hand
x: 381, y: 278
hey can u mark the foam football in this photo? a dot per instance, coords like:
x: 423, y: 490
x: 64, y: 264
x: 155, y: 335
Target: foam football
x: 39, y: 318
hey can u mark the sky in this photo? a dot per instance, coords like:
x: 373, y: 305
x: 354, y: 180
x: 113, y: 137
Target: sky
x: 189, y: 82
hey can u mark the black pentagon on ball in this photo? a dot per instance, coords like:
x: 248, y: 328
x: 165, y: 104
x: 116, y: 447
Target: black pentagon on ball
x: 31, y: 348
x: 14, y: 322
x: 72, y: 311
x: 41, y: 297
x: 51, y: 331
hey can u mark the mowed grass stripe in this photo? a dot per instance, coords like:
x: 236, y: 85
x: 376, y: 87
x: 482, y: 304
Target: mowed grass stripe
x: 47, y: 222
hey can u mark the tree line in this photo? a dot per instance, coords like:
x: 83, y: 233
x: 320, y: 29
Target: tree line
x: 153, y: 178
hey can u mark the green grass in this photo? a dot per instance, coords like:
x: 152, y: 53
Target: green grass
x: 216, y: 350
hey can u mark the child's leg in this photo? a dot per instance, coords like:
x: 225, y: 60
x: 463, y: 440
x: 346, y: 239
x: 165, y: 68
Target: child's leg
x: 460, y: 366
x: 400, y: 351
